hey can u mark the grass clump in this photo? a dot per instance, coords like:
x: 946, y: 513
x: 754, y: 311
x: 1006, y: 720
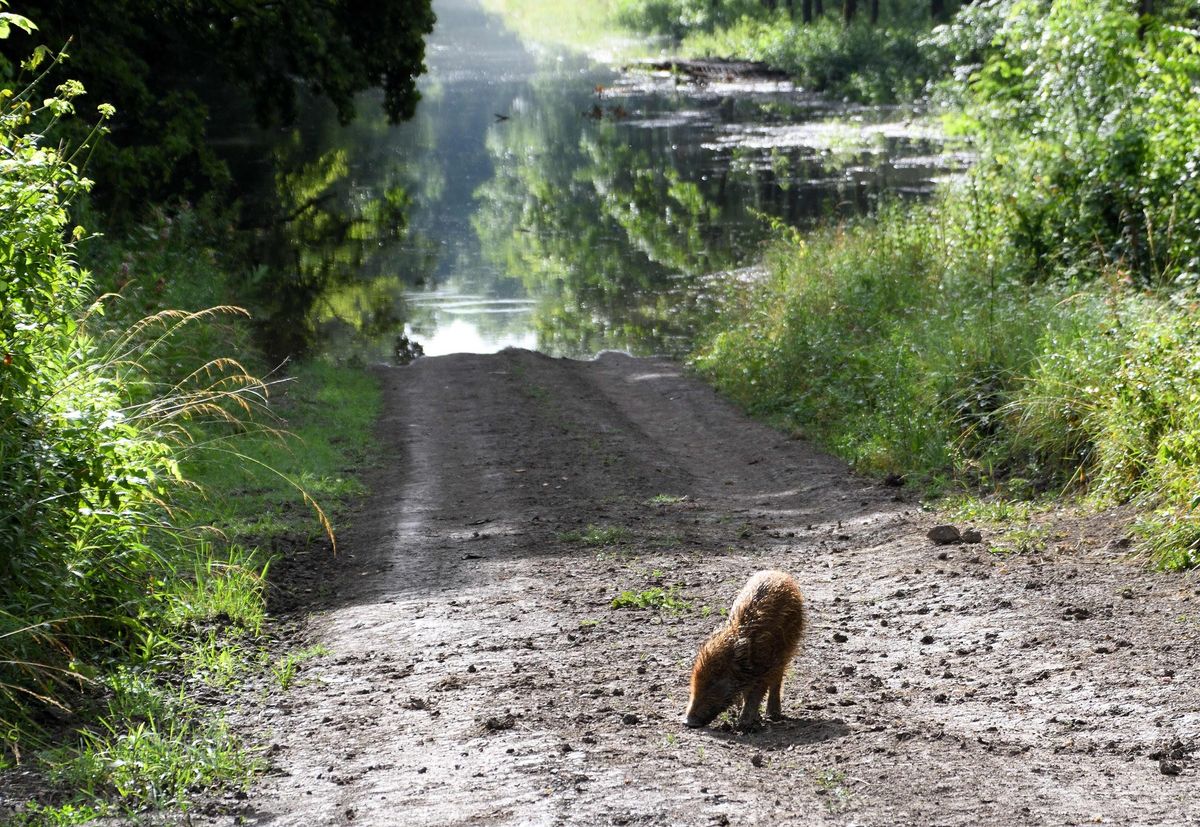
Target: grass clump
x: 285, y: 669
x: 656, y: 597
x: 597, y: 536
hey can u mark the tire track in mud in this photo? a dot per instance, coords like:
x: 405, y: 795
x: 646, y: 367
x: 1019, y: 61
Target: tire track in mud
x: 480, y: 674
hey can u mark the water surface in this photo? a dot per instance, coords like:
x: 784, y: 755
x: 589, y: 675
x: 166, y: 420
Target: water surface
x: 557, y: 204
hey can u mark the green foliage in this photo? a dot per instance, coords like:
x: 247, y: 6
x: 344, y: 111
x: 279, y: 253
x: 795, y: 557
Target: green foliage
x: 172, y: 68
x: 890, y: 60
x: 1033, y: 331
x: 901, y: 344
x: 151, y: 751
x: 878, y: 64
x: 1090, y: 128
x: 594, y: 535
x: 848, y: 337
x: 83, y: 478
x: 107, y: 557
x: 227, y: 586
x: 656, y: 597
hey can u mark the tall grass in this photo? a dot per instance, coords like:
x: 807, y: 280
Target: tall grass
x: 900, y: 343
x: 129, y: 560
x: 1033, y: 330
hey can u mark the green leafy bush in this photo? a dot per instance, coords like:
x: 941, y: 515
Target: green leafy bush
x: 1091, y: 133
x: 77, y: 478
x: 92, y: 418
x: 878, y: 64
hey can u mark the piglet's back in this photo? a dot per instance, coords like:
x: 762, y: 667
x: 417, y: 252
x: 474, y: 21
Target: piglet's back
x: 769, y: 614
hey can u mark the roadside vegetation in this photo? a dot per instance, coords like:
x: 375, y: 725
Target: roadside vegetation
x: 155, y: 465
x: 1031, y: 331
x: 871, y: 52
x: 150, y: 478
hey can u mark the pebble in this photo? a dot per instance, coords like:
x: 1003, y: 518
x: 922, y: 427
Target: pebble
x: 944, y: 534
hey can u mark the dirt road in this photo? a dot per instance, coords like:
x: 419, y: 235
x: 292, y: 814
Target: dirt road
x: 480, y: 675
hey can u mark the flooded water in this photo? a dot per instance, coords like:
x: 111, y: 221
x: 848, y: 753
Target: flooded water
x: 570, y: 207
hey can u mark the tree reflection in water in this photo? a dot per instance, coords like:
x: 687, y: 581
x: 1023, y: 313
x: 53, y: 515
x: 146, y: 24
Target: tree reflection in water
x: 554, y: 205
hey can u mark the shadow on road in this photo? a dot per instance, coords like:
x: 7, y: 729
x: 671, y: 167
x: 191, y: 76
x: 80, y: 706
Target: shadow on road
x: 788, y: 732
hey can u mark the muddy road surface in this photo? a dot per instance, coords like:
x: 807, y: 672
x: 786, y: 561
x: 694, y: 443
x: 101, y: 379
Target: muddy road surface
x: 479, y: 672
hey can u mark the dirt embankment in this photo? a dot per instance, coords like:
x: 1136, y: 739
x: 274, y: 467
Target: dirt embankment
x: 480, y: 674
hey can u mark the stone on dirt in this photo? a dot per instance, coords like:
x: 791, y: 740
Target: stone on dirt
x: 944, y: 534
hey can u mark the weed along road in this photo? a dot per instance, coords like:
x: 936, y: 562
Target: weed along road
x: 512, y: 617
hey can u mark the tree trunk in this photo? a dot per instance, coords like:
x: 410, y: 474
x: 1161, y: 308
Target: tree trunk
x: 874, y: 12
x: 806, y: 11
x: 819, y: 7
x: 849, y: 9
x: 937, y: 9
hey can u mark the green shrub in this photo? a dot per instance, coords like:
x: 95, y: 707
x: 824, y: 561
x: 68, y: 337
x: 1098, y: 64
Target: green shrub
x: 77, y: 479
x: 92, y: 418
x: 903, y: 345
x: 879, y: 64
x: 1090, y: 129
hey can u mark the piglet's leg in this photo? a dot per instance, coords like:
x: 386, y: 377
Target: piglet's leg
x: 749, y: 716
x: 775, y: 701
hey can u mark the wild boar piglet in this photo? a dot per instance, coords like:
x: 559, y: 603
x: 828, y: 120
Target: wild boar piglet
x: 747, y: 657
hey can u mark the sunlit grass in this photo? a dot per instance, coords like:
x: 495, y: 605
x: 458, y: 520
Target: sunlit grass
x: 894, y: 343
x: 597, y: 536
x: 319, y: 443
x: 655, y: 597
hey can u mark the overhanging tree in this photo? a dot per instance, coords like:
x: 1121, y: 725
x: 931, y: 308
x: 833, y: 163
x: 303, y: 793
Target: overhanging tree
x: 169, y: 65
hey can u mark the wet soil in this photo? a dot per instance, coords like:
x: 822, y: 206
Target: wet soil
x: 480, y: 674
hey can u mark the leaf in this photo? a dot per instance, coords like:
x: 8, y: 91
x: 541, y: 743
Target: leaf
x: 8, y: 19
